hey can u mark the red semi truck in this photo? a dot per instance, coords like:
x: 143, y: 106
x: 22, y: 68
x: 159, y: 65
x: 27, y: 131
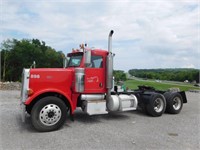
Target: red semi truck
x: 50, y: 95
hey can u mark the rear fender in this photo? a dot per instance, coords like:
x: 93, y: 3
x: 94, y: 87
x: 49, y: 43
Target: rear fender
x: 144, y: 97
x: 183, y: 96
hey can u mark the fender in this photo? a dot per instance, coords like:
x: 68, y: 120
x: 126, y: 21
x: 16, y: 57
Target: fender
x: 40, y: 92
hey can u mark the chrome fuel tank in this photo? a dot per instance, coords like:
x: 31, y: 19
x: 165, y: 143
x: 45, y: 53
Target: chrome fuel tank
x: 122, y: 102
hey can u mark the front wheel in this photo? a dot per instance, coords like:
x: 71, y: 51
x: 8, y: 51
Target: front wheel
x: 48, y: 114
x: 156, y: 106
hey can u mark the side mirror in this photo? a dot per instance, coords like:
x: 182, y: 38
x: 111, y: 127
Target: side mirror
x: 65, y: 62
x: 87, y: 57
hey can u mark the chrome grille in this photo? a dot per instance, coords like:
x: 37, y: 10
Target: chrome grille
x: 25, y: 84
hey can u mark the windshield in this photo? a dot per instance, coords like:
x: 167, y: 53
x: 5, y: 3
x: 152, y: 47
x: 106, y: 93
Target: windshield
x: 75, y: 61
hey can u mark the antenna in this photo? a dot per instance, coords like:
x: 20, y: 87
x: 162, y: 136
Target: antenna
x: 33, y: 65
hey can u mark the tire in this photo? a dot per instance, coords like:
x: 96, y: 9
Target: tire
x: 48, y: 114
x: 156, y: 106
x: 167, y: 95
x: 174, y: 103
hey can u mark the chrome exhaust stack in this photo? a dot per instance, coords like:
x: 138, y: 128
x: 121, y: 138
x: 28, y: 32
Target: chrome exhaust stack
x: 109, y: 64
x: 122, y: 102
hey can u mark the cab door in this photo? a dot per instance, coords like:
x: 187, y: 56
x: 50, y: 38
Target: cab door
x: 95, y: 75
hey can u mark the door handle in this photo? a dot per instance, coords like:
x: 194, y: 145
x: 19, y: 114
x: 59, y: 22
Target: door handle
x: 100, y: 84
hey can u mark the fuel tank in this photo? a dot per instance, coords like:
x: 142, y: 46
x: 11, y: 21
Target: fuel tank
x: 122, y: 102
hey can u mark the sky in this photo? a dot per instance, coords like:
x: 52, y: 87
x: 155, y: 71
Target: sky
x: 148, y: 34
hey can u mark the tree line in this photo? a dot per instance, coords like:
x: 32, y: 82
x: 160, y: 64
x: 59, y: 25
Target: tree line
x: 177, y: 74
x: 19, y: 54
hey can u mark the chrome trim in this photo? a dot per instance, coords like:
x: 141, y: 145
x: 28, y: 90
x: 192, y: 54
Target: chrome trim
x: 25, y: 84
x: 24, y: 96
x: 89, y: 97
x: 79, y: 82
x: 50, y: 114
x: 158, y: 105
x: 109, y: 69
x: 176, y: 103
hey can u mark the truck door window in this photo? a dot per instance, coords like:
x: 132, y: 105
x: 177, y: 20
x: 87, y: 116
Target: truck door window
x: 97, y: 62
x: 75, y: 61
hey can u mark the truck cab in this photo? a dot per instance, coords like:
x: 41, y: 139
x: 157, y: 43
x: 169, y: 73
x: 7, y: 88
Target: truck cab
x: 94, y: 70
x: 83, y: 79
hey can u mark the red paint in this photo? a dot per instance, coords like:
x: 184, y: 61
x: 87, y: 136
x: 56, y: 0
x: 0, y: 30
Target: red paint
x: 62, y: 80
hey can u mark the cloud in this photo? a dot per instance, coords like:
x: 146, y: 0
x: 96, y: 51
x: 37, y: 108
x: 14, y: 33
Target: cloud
x: 148, y: 34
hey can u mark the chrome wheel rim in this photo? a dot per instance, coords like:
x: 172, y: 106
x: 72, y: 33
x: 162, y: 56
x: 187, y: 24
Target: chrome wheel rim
x: 176, y: 103
x: 50, y: 114
x: 158, y: 105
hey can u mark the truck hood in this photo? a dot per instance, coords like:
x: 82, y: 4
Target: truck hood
x: 43, y: 78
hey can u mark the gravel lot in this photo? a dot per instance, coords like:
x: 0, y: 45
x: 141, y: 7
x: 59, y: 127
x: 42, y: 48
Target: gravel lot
x: 123, y: 131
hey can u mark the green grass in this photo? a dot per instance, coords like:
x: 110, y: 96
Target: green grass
x: 133, y: 84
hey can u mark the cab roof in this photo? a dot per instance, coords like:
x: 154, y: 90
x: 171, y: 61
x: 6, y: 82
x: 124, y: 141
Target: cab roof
x: 93, y: 51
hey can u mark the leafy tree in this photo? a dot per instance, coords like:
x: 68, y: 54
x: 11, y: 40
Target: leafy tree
x: 16, y: 55
x: 6, y: 46
x: 119, y: 75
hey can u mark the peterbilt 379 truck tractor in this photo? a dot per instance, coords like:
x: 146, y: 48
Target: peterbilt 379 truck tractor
x: 50, y: 95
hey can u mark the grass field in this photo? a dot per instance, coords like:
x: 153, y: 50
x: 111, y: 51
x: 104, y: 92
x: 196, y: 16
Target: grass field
x: 133, y: 84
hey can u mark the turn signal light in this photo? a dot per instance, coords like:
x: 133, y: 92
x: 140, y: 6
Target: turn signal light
x: 30, y: 92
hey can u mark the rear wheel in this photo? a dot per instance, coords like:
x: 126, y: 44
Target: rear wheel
x: 174, y: 103
x: 156, y: 106
x: 48, y: 114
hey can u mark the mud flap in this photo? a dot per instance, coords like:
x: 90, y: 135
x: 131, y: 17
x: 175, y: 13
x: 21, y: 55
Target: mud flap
x: 183, y: 96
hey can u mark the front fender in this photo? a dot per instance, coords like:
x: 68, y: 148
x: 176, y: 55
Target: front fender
x: 41, y: 92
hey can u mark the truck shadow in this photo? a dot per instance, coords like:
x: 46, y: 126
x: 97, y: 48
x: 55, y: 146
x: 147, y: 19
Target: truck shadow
x: 25, y: 126
x: 138, y: 112
x: 87, y: 119
x: 82, y: 118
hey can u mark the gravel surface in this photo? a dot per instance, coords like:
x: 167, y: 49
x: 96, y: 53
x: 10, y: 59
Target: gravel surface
x: 10, y: 85
x: 123, y: 131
